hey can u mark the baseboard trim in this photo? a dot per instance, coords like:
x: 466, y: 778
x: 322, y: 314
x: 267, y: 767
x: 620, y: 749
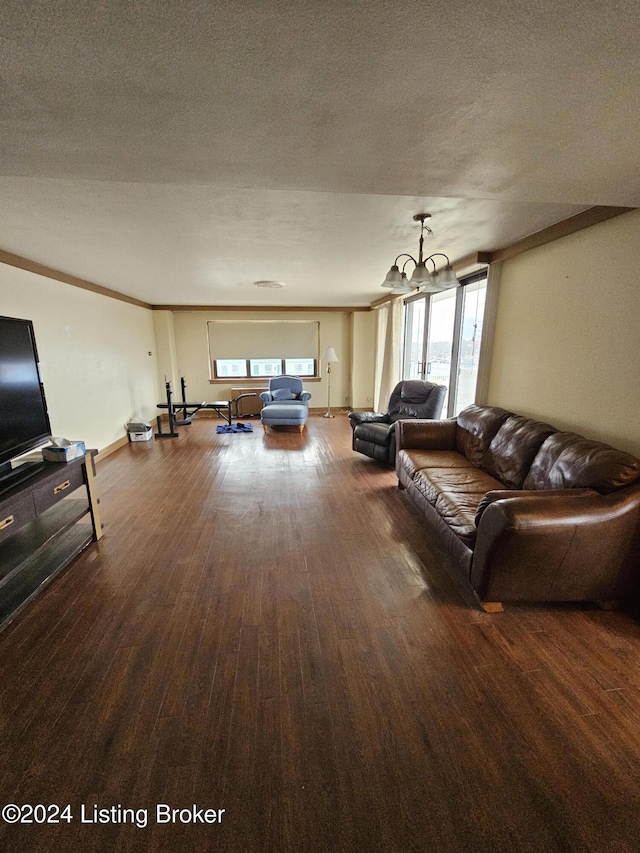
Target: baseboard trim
x: 111, y: 448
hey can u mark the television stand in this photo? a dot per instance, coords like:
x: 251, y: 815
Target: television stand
x: 12, y: 477
x: 45, y: 522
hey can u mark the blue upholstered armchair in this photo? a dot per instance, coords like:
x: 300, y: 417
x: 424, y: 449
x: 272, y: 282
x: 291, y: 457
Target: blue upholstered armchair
x: 285, y: 389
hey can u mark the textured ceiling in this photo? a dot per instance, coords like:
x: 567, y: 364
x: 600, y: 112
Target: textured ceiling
x: 178, y: 152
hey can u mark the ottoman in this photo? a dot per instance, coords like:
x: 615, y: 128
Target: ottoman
x: 284, y: 414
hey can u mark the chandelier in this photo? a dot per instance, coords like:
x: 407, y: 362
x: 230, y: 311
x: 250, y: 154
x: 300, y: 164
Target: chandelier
x: 429, y: 281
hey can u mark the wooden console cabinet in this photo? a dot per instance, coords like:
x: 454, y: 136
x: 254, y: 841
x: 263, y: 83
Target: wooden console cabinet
x: 44, y: 523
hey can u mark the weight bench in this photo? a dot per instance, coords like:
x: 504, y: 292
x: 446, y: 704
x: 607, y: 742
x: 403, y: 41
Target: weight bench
x: 222, y: 407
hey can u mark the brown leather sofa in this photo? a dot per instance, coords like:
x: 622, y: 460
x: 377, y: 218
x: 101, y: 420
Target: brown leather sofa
x: 528, y: 512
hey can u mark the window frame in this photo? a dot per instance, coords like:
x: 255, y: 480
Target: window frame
x: 250, y: 376
x: 226, y: 377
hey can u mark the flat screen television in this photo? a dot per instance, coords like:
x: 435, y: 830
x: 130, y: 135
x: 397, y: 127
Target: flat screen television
x: 24, y: 419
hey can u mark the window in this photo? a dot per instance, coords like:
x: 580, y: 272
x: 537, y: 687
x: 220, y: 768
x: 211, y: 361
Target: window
x: 263, y: 348
x: 230, y: 367
x: 442, y: 336
x: 241, y: 368
x: 265, y: 366
x: 300, y: 366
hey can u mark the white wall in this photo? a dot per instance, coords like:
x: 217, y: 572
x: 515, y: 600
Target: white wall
x: 94, y: 355
x: 567, y: 339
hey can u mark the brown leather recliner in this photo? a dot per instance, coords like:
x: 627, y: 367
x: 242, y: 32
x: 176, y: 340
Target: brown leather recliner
x: 374, y: 433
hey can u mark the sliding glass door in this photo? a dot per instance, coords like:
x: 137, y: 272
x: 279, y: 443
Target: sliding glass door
x: 443, y: 332
x: 440, y: 335
x: 414, y: 339
x: 473, y: 301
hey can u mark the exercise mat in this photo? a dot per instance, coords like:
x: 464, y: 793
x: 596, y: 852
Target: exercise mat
x: 234, y: 428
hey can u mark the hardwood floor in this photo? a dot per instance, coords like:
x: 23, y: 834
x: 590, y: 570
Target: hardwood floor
x: 267, y: 628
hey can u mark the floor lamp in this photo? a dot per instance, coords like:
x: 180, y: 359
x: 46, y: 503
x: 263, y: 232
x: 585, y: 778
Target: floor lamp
x: 329, y: 356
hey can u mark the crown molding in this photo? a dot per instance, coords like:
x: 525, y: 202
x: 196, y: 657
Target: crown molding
x: 48, y: 272
x: 316, y: 309
x: 585, y: 219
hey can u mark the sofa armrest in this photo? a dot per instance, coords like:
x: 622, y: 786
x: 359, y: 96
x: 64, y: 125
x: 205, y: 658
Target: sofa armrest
x: 567, y: 544
x: 369, y: 418
x: 506, y: 494
x: 305, y: 397
x: 422, y: 434
x: 266, y: 397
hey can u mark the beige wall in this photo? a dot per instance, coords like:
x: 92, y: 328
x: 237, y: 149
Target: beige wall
x: 166, y: 358
x: 94, y: 355
x: 349, y: 338
x: 567, y: 337
x: 364, y: 332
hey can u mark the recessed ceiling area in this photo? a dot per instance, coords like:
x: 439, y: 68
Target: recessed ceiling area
x: 178, y: 153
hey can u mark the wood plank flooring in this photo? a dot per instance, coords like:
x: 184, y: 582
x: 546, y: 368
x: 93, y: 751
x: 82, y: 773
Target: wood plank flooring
x: 268, y: 628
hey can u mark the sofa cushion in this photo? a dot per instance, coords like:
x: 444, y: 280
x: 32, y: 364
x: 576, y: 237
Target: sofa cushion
x: 570, y: 461
x: 414, y: 460
x: 476, y: 428
x: 513, y: 449
x: 455, y: 494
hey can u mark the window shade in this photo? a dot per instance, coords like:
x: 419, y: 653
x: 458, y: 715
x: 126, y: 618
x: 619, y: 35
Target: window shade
x: 263, y: 339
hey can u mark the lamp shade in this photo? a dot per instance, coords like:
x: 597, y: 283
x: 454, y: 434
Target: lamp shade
x: 420, y: 275
x: 433, y: 285
x: 448, y: 278
x: 402, y: 287
x: 330, y: 355
x: 393, y: 277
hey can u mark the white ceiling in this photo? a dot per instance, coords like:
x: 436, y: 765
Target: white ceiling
x: 177, y: 152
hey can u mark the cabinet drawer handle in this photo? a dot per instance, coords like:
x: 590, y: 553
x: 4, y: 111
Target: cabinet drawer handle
x: 62, y: 487
x: 6, y: 522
